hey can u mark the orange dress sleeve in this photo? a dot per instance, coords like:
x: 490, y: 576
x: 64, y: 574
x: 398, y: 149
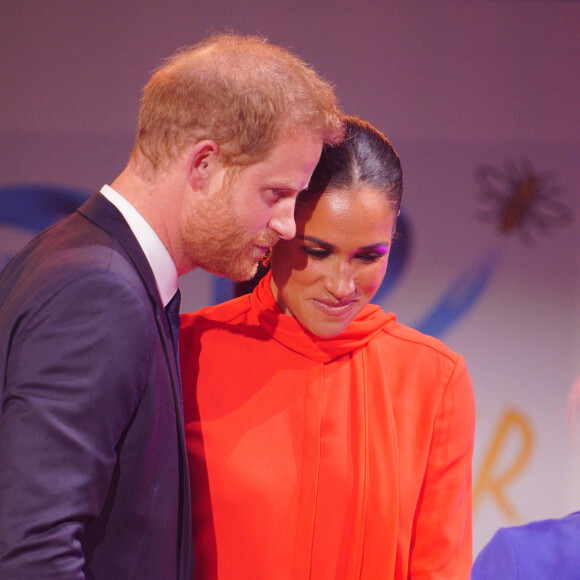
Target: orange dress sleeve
x: 441, y: 543
x: 435, y: 417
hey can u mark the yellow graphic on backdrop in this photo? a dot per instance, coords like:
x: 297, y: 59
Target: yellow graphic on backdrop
x: 494, y: 478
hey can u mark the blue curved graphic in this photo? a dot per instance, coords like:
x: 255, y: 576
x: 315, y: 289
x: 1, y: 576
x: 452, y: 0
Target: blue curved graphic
x: 460, y: 296
x: 35, y: 207
x: 223, y: 290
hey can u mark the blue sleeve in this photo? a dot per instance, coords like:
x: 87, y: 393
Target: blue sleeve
x: 497, y: 560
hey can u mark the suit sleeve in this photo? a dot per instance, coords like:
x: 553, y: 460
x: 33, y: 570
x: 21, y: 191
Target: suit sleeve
x: 74, y: 379
x: 441, y: 545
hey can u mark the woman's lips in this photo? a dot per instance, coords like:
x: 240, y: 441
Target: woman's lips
x: 334, y: 309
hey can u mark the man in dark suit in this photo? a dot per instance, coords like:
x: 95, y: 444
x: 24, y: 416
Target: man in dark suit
x: 93, y: 481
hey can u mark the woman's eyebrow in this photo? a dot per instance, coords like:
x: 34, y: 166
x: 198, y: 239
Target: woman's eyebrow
x: 382, y: 246
x: 317, y: 241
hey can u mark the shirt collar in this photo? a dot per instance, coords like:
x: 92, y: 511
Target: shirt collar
x: 156, y: 253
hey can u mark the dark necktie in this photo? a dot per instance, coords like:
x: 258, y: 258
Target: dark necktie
x: 172, y: 310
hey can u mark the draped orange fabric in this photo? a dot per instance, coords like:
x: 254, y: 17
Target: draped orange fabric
x: 345, y: 457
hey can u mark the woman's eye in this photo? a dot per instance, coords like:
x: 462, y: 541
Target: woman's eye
x: 370, y: 258
x: 316, y: 253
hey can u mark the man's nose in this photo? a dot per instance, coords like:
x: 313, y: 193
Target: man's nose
x: 282, y: 221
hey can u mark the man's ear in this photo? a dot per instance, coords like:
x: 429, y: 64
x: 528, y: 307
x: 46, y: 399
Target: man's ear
x: 202, y: 162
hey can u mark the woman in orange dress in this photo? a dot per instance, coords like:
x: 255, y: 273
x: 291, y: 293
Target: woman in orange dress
x: 325, y: 439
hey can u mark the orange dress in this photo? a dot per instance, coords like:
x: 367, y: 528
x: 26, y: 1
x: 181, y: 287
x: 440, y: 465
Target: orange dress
x: 338, y: 458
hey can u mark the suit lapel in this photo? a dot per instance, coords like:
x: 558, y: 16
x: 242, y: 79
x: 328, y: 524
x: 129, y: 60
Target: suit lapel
x: 106, y: 216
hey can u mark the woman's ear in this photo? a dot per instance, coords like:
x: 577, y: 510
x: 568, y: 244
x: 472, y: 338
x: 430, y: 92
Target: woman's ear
x: 202, y: 161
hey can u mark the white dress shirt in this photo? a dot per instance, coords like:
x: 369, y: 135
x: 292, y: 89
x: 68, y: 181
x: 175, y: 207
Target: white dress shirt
x: 159, y: 259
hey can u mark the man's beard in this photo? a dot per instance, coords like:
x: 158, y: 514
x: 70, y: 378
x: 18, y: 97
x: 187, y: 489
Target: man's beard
x: 215, y: 240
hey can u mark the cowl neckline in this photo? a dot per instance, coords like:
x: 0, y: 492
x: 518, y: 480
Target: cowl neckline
x: 290, y: 333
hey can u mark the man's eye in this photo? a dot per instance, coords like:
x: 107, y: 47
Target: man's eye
x: 277, y: 193
x: 316, y: 253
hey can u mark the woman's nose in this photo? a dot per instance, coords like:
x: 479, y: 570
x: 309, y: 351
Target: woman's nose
x: 340, y: 281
